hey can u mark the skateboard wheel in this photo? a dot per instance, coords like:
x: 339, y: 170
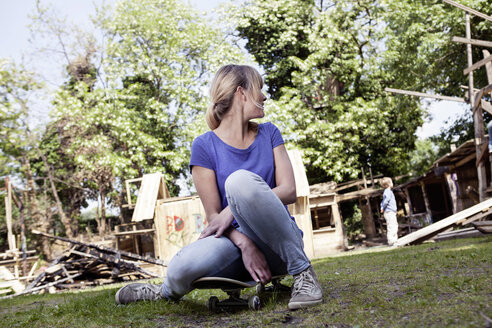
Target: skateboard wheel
x: 254, y: 303
x: 260, y: 288
x: 212, y: 303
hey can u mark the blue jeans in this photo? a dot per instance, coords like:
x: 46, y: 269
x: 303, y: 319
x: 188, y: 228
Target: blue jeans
x: 262, y: 217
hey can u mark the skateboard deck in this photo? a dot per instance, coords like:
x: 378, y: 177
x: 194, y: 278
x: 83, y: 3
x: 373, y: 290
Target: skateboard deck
x: 233, y: 288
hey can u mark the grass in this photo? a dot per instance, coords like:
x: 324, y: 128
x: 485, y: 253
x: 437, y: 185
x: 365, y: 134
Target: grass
x: 446, y: 284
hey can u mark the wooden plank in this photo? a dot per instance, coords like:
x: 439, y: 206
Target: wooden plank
x: 423, y: 95
x: 13, y: 261
x: 147, y: 197
x: 8, y: 214
x: 430, y: 230
x: 488, y: 66
x: 479, y: 95
x: 54, y: 283
x: 322, y: 200
x: 486, y: 106
x: 177, y: 224
x: 483, y: 151
x: 104, y: 249
x: 359, y: 193
x: 473, y: 42
x: 13, y: 283
x: 477, y: 65
x: 163, y: 192
x: 468, y: 9
x: 134, y: 232
x: 464, y: 160
x: 475, y: 217
x: 483, y: 226
x: 302, y: 185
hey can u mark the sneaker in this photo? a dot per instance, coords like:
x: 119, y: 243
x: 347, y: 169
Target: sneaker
x: 306, y: 290
x: 138, y: 292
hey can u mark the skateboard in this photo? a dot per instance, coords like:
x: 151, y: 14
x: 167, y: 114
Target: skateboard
x: 233, y: 289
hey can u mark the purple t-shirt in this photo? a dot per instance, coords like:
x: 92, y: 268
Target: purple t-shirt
x: 209, y: 151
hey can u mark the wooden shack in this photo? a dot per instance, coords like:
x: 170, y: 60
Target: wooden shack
x: 450, y: 186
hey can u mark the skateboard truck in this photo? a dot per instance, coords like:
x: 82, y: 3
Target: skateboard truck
x: 233, y: 289
x: 234, y: 301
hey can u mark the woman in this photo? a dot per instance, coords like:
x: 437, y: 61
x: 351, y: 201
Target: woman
x: 244, y: 178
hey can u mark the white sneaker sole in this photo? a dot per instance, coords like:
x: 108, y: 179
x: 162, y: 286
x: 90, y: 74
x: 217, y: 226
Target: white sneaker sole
x: 300, y: 305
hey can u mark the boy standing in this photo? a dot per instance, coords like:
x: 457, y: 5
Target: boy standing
x: 388, y: 209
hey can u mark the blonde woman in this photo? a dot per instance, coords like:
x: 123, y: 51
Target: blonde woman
x: 388, y: 209
x: 244, y: 178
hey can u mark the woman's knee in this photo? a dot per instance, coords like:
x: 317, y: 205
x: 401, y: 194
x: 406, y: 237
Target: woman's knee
x: 242, y: 183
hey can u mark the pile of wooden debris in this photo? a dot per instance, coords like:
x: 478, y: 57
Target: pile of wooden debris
x: 89, y: 265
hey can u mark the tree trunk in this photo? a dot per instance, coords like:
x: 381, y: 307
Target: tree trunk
x: 64, y: 219
x: 40, y: 220
x: 102, y: 220
x: 367, y: 218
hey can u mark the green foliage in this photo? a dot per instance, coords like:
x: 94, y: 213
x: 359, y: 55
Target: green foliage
x: 420, y: 53
x: 422, y: 158
x: 328, y: 63
x: 352, y: 219
x: 147, y: 103
x: 332, y: 103
x: 16, y: 139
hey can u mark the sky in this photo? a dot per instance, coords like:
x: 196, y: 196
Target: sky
x: 14, y: 44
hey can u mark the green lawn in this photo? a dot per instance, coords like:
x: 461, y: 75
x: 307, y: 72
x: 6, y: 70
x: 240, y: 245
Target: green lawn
x: 446, y: 284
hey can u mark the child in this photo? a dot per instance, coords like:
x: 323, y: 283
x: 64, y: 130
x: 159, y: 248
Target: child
x: 388, y: 209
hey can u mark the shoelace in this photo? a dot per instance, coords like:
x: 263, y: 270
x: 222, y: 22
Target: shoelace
x: 146, y: 291
x: 304, y: 284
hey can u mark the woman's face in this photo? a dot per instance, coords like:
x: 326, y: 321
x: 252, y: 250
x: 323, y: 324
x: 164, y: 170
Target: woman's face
x: 254, y: 104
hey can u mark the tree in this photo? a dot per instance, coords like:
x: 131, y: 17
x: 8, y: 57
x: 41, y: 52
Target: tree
x: 146, y: 103
x: 18, y: 143
x: 334, y: 60
x: 333, y: 106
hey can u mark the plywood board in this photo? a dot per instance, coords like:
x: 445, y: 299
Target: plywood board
x: 430, y: 230
x: 147, y: 197
x: 302, y: 185
x: 177, y: 225
x: 302, y: 214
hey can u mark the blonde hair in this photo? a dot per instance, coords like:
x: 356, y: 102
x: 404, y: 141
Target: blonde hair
x: 386, y: 182
x: 224, y: 86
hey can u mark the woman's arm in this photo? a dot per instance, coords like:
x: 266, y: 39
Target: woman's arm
x: 284, y: 176
x: 219, y: 223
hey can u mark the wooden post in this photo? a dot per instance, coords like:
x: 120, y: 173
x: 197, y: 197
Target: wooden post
x: 452, y: 191
x: 477, y: 117
x: 488, y: 70
x: 338, y: 224
x: 135, y: 239
x: 426, y: 201
x: 117, y: 229
x: 23, y: 235
x: 488, y: 66
x: 8, y: 214
x: 367, y: 219
x: 364, y: 178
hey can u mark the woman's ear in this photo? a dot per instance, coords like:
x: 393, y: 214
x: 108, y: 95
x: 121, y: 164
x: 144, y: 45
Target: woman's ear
x: 241, y: 92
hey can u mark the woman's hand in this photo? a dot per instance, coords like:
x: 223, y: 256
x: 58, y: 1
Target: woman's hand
x: 218, y: 224
x: 255, y: 263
